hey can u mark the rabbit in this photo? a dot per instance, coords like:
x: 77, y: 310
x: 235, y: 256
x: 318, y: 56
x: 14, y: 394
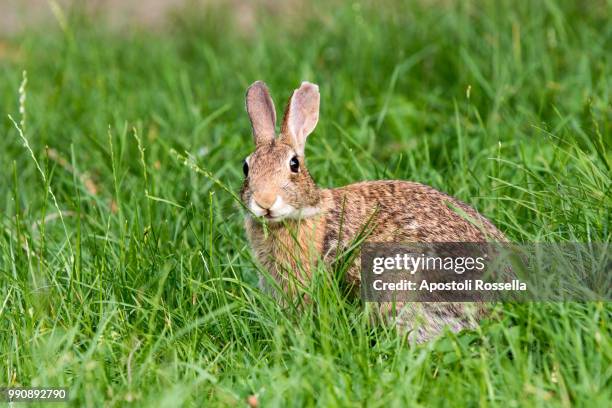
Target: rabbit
x: 292, y: 223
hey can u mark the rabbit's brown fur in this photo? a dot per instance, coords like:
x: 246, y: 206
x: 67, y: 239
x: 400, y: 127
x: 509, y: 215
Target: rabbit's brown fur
x: 307, y: 224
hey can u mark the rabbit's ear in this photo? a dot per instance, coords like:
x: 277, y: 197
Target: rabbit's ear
x: 301, y: 115
x: 261, y: 111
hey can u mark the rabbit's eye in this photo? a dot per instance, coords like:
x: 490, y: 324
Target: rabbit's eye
x: 245, y: 168
x: 294, y: 164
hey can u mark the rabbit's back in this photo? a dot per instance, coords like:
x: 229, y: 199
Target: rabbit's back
x: 400, y: 211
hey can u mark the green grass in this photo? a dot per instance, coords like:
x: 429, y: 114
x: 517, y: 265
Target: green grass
x: 144, y: 288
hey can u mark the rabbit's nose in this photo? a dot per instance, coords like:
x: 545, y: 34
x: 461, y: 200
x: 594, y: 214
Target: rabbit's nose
x: 264, y: 199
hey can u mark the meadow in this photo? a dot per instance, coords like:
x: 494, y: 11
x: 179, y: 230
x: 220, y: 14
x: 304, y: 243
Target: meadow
x: 125, y: 273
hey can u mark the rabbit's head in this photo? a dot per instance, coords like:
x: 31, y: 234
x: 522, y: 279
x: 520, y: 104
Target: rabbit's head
x: 277, y: 184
